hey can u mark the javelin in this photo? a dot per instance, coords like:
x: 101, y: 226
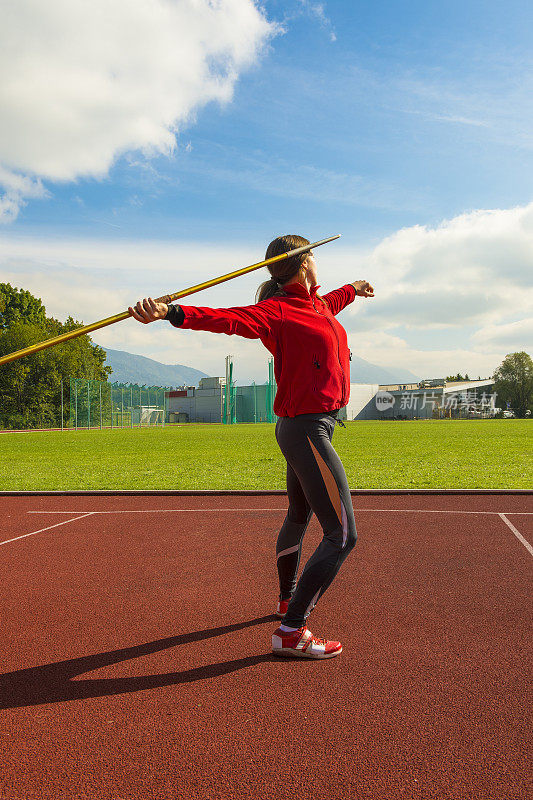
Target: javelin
x: 168, y: 298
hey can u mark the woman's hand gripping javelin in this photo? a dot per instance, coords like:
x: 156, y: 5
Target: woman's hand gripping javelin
x: 148, y: 310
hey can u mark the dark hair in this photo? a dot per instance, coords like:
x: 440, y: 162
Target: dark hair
x: 281, y: 271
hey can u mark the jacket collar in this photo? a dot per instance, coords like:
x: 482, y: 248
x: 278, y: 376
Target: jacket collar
x: 300, y: 291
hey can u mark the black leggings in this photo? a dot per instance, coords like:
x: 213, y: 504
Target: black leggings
x: 316, y: 481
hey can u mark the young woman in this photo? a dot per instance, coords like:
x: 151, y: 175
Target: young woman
x: 312, y: 370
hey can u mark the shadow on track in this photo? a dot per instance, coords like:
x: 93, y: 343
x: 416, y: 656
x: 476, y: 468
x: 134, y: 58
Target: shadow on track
x: 52, y: 683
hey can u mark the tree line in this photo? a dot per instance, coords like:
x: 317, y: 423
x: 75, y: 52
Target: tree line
x: 30, y: 388
x: 513, y: 383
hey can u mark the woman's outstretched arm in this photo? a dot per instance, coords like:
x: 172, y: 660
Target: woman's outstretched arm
x: 252, y: 322
x: 340, y: 298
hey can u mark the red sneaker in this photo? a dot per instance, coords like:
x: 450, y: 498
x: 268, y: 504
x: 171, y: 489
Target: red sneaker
x: 302, y: 643
x: 282, y: 608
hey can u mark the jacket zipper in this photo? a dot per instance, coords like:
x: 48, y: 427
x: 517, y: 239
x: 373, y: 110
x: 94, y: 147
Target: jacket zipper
x: 338, y: 351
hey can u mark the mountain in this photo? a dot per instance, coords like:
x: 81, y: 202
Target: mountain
x: 129, y: 368
x: 362, y: 371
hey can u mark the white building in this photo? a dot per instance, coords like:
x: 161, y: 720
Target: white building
x: 361, y: 404
x: 436, y: 399
x: 203, y: 403
x: 430, y: 399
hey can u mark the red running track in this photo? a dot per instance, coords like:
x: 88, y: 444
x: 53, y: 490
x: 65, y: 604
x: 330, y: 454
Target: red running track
x: 136, y: 652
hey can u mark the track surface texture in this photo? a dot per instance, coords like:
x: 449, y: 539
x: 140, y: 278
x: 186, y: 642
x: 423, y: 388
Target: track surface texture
x: 136, y: 661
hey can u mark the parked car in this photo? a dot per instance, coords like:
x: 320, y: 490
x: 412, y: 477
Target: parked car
x: 508, y: 414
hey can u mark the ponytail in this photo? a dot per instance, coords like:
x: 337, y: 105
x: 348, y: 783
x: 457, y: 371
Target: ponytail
x: 267, y: 289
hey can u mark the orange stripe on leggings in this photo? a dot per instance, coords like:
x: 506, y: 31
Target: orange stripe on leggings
x: 329, y: 480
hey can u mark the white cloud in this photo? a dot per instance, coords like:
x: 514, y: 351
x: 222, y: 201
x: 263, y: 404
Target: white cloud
x: 470, y: 272
x: 454, y: 297
x: 388, y: 350
x: 83, y: 83
x: 17, y: 189
x: 513, y: 336
x: 474, y: 268
x: 91, y: 280
x: 317, y: 11
x: 87, y: 277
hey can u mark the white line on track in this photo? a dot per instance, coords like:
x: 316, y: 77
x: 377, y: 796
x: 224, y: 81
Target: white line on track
x: 517, y: 534
x: 155, y: 510
x: 41, y: 530
x: 203, y: 510
x: 84, y: 514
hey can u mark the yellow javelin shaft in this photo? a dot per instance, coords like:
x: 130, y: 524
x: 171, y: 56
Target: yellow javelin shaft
x: 168, y: 298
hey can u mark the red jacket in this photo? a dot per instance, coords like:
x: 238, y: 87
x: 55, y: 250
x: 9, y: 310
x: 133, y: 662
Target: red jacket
x: 310, y: 348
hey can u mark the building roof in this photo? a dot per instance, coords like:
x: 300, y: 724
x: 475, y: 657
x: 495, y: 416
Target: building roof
x: 461, y: 386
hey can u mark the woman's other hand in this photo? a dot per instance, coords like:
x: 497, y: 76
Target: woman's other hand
x: 363, y: 289
x: 148, y: 310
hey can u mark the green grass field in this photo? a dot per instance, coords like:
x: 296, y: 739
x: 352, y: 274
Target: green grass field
x: 466, y: 454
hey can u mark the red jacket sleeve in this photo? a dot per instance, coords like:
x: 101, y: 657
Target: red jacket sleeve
x: 252, y: 322
x: 340, y: 298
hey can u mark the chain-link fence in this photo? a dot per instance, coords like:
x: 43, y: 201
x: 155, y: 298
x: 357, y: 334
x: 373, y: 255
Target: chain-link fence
x: 86, y: 404
x: 99, y: 404
x: 248, y: 403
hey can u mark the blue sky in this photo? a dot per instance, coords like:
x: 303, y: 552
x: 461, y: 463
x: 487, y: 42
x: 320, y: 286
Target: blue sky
x: 389, y: 125
x: 386, y: 122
